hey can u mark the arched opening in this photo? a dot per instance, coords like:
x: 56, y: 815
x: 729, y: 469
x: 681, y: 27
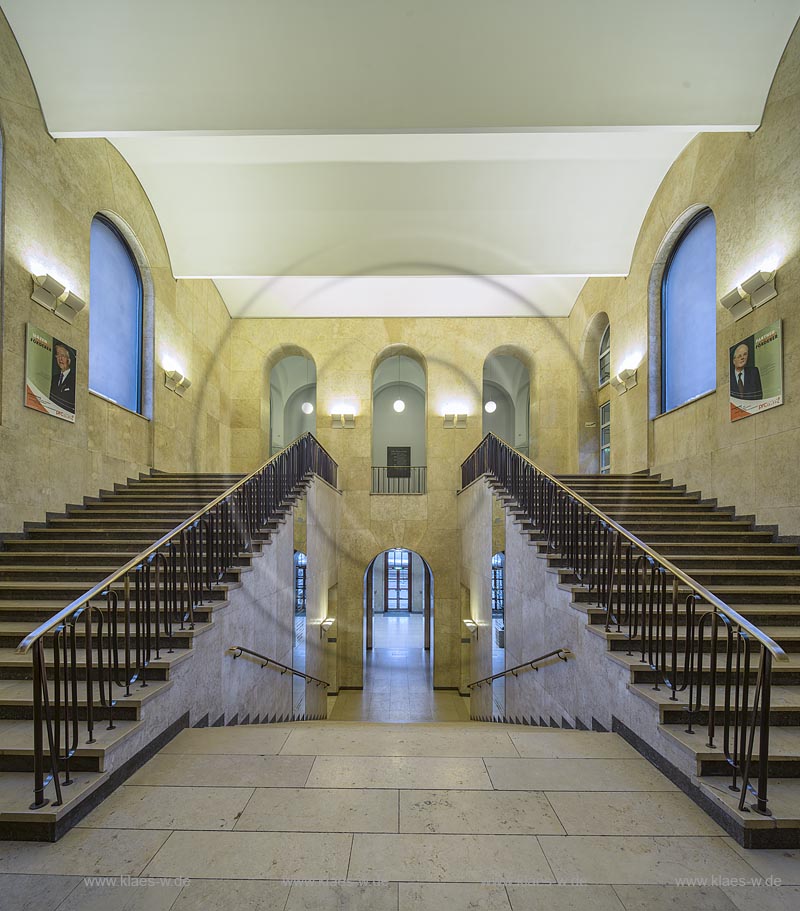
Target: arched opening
x: 498, y: 632
x: 398, y: 423
x: 507, y: 399
x: 292, y: 400
x: 299, y: 638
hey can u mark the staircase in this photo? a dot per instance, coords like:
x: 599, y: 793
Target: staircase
x: 46, y: 568
x: 757, y: 575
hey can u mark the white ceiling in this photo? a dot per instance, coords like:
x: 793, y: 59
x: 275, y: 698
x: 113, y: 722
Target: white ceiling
x: 520, y: 139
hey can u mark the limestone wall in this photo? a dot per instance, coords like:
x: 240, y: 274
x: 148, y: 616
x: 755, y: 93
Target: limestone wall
x: 52, y: 189
x: 752, y: 184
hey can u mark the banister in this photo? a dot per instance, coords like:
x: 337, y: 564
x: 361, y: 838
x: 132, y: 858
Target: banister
x: 241, y: 650
x: 96, y: 590
x: 777, y: 652
x: 563, y: 654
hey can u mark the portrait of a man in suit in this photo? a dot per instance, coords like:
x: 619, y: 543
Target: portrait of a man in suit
x: 745, y: 378
x: 62, y: 385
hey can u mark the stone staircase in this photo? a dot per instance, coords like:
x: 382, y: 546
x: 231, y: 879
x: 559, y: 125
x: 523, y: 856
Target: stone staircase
x: 49, y: 565
x: 747, y: 567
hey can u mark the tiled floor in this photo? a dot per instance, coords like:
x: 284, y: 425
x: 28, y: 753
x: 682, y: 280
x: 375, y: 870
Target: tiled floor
x: 396, y: 817
x: 398, y: 679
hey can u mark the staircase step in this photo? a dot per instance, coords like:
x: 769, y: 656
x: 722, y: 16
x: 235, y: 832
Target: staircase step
x: 16, y: 746
x: 16, y: 699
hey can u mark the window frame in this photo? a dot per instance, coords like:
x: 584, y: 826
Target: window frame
x: 604, y: 353
x: 605, y: 447
x: 686, y: 229
x: 141, y: 318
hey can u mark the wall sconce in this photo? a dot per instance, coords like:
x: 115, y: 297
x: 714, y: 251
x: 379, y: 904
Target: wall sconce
x: 472, y: 627
x: 625, y: 380
x: 752, y: 293
x: 326, y: 624
x: 54, y: 296
x: 343, y: 421
x: 455, y: 422
x: 176, y: 382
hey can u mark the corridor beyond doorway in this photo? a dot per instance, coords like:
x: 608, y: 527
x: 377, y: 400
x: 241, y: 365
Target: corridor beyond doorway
x: 398, y: 679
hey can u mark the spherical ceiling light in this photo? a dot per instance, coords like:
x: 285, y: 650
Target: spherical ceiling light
x: 307, y: 408
x: 399, y: 406
x: 490, y: 407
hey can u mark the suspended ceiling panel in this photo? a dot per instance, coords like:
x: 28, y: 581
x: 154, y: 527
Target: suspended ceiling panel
x: 287, y: 145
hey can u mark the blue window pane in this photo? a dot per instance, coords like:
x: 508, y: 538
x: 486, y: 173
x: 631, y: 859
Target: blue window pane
x: 689, y: 315
x: 115, y: 318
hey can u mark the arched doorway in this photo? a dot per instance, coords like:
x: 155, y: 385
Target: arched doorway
x: 398, y: 591
x: 292, y: 400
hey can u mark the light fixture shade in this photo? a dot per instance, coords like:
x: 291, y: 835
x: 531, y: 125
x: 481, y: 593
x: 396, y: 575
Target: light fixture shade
x: 343, y: 421
x: 761, y: 288
x: 176, y: 382
x: 307, y: 408
x: 399, y: 406
x: 619, y: 384
x: 630, y: 377
x: 455, y: 422
x: 737, y: 303
x: 490, y: 407
x: 69, y: 306
x: 46, y: 291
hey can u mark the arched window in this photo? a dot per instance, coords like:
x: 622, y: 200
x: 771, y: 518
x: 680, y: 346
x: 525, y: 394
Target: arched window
x: 115, y: 318
x: 604, y: 358
x: 689, y: 314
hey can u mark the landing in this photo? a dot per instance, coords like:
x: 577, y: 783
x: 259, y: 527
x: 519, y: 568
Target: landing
x: 384, y: 817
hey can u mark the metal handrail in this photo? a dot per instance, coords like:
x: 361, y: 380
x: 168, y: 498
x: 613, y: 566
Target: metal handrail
x: 564, y: 654
x: 241, y: 650
x: 631, y: 582
x: 778, y: 653
x: 96, y: 590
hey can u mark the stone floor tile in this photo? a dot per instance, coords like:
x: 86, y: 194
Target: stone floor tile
x: 617, y: 813
x: 577, y: 775
x: 544, y: 744
x: 232, y: 895
x: 640, y: 860
x: 783, y: 863
x: 449, y: 858
x: 125, y: 895
x: 26, y: 892
x: 764, y: 897
x: 253, y: 855
x: 397, y: 772
x: 146, y: 807
x: 320, y: 810
x: 563, y: 898
x: 224, y: 771
x: 444, y: 896
x: 674, y: 898
x: 478, y: 812
x: 260, y: 739
x: 84, y: 852
x: 309, y: 896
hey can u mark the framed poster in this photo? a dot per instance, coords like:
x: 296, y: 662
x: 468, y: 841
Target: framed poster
x: 50, y: 369
x: 756, y: 364
x: 398, y: 460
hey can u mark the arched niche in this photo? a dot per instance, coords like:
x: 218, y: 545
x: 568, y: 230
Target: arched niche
x: 292, y: 398
x: 592, y: 393
x: 399, y: 414
x: 506, y: 402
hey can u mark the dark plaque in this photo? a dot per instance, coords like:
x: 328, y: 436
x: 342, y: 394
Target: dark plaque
x: 398, y: 461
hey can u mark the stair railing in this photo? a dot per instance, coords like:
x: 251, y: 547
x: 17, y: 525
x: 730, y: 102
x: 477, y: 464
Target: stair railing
x: 562, y: 654
x: 130, y: 616
x: 650, y: 599
x: 238, y: 650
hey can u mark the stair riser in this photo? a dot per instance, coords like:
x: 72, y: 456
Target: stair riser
x: 173, y: 642
x: 107, y: 564
x: 121, y: 711
x: 69, y: 591
x: 778, y: 717
x: 760, y: 619
x: 779, y: 677
x: 633, y: 646
x: 26, y: 673
x: 713, y: 578
x: 202, y: 614
x: 582, y: 596
x: 777, y: 768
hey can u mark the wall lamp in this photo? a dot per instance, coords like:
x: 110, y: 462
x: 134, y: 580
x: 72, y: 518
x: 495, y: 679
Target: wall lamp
x: 343, y: 421
x: 455, y: 422
x: 175, y: 381
x: 326, y: 624
x: 472, y: 626
x: 54, y: 296
x: 752, y: 293
x: 625, y: 380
